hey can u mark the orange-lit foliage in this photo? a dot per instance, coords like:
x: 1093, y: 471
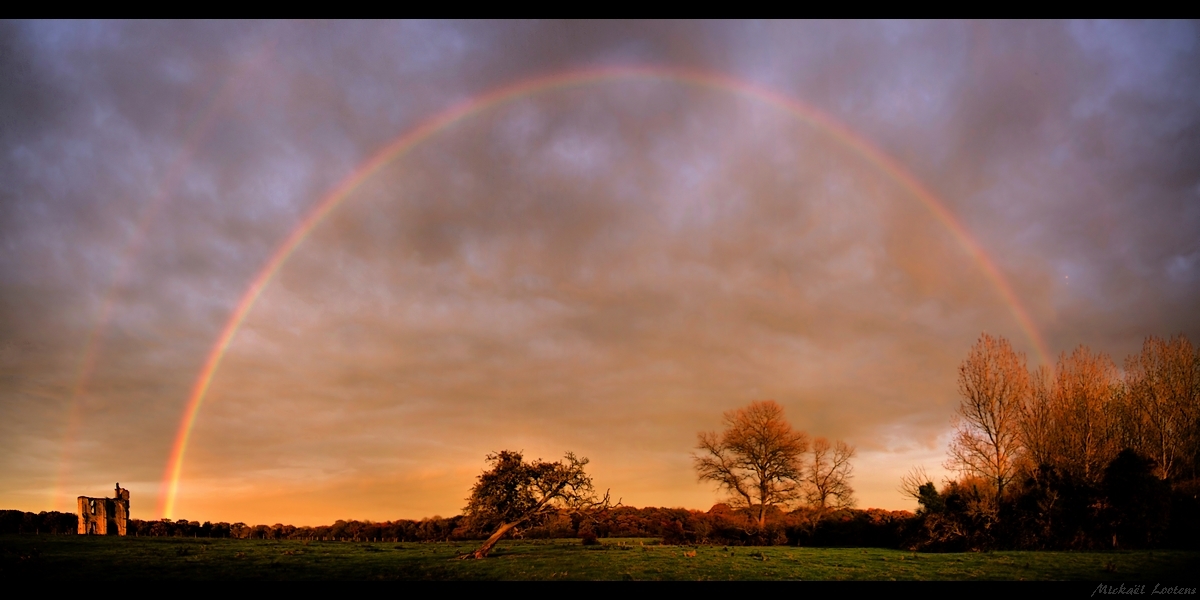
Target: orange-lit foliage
x: 1099, y: 460
x: 1163, y: 384
x: 993, y: 383
x: 1084, y: 412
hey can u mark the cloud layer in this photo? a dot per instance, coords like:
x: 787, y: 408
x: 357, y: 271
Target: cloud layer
x: 601, y: 268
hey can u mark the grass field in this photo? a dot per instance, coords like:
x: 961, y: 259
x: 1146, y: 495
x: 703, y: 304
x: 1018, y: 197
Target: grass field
x: 107, y: 558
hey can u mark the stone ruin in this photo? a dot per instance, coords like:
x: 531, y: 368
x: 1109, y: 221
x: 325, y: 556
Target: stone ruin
x: 104, y: 516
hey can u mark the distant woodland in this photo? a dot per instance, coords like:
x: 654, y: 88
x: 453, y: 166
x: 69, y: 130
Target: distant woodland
x: 721, y: 524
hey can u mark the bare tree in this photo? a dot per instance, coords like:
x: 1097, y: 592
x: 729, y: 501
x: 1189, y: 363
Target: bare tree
x: 827, y: 474
x: 912, y: 482
x: 515, y: 493
x: 1164, y: 402
x: 992, y: 382
x: 1037, y: 426
x: 1085, y: 413
x: 757, y: 459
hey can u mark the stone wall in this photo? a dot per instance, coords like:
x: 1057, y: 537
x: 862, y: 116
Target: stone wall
x: 104, y: 516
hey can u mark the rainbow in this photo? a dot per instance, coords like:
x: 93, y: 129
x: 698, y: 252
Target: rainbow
x: 576, y: 78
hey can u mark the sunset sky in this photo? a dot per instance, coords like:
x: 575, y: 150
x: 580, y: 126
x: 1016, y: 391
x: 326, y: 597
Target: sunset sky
x: 549, y: 236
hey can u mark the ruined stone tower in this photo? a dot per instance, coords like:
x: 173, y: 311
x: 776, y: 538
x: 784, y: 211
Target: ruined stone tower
x: 104, y: 516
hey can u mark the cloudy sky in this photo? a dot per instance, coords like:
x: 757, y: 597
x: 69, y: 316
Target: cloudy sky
x: 603, y: 266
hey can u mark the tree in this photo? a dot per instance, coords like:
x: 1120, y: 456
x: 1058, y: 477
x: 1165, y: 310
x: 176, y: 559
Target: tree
x: 1038, y: 428
x: 993, y: 383
x: 757, y: 459
x: 1164, y: 394
x: 514, y: 493
x: 827, y: 475
x: 1084, y: 413
x: 913, y: 482
x: 1139, y: 501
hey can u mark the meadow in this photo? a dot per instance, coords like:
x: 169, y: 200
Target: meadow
x: 71, y: 557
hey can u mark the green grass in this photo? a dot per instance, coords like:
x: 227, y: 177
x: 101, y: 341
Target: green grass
x: 104, y: 558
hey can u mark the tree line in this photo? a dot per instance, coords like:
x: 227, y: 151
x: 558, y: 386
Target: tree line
x: 404, y: 530
x: 45, y: 522
x: 1078, y: 455
x: 722, y: 524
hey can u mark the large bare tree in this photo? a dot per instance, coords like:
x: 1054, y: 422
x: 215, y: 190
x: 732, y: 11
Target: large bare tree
x: 992, y: 382
x: 757, y: 459
x: 514, y: 493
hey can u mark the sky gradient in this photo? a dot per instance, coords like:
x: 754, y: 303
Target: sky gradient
x: 823, y: 214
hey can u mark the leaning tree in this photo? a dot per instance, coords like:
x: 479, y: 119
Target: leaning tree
x: 515, y: 493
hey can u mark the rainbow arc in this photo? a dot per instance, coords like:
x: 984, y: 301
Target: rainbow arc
x: 578, y: 78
